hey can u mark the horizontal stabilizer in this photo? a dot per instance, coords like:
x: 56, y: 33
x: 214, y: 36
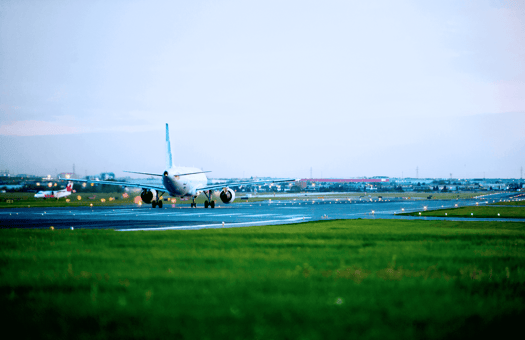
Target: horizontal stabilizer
x: 192, y: 173
x: 186, y: 174
x: 142, y: 173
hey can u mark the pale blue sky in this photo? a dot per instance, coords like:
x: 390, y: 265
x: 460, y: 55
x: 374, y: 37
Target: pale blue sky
x: 264, y: 88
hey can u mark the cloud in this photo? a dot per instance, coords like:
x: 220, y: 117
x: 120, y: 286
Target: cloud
x: 35, y: 128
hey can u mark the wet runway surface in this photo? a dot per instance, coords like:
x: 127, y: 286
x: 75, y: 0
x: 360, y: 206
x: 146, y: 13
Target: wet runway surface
x: 234, y: 215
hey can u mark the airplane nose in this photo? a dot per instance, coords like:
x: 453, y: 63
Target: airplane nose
x: 165, y: 173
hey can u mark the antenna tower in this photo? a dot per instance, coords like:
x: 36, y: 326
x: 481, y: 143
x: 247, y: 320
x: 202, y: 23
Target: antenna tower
x: 417, y: 172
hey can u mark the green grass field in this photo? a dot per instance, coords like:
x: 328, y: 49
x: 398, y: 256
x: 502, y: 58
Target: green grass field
x: 365, y: 195
x: 475, y: 212
x: 367, y: 279
x: 435, y: 195
x: 510, y: 203
x: 25, y: 200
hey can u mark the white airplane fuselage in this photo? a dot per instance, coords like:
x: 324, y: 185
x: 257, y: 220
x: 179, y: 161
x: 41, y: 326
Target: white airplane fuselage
x: 187, y: 185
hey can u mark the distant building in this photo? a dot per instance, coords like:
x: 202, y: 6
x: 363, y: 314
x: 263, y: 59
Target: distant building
x: 349, y: 180
x: 67, y: 175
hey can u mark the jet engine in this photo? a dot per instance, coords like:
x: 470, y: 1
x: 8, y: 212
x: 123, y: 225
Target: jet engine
x: 227, y: 195
x: 148, y: 195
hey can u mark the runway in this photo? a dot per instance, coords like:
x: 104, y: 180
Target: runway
x: 244, y: 214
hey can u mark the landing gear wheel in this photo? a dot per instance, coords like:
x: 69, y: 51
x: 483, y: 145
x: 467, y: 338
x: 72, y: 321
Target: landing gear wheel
x: 206, y: 204
x: 160, y: 204
x: 194, y: 205
x: 153, y: 204
x: 212, y: 204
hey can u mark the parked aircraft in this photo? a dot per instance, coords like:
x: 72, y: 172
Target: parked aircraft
x: 182, y: 182
x: 56, y: 194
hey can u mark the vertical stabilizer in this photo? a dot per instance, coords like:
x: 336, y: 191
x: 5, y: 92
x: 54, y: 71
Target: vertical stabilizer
x: 169, y: 163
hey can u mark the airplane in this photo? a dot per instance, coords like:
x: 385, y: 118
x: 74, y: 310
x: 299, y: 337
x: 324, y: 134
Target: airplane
x: 182, y: 182
x: 56, y: 194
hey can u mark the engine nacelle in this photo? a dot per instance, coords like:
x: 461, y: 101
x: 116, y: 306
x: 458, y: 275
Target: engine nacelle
x: 148, y: 195
x: 227, y: 195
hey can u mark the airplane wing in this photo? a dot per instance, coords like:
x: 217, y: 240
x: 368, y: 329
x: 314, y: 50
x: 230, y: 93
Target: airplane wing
x: 235, y: 184
x: 125, y: 184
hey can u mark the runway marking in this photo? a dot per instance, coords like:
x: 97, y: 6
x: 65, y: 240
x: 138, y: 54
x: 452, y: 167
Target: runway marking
x: 225, y: 214
x: 291, y: 207
x: 238, y: 224
x: 190, y: 214
x: 294, y: 216
x: 391, y: 212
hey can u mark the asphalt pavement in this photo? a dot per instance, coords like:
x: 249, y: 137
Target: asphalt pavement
x: 242, y: 214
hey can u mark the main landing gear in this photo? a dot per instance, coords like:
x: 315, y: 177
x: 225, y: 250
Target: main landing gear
x: 156, y: 203
x: 209, y: 202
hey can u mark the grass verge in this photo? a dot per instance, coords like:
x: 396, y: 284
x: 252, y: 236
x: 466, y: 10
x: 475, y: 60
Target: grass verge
x: 317, y: 280
x: 475, y: 212
x: 25, y: 200
x: 510, y: 203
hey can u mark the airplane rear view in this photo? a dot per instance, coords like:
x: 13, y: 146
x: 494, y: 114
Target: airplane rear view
x: 183, y: 182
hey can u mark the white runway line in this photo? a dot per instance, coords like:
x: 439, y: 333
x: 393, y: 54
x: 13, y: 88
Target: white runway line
x: 225, y: 214
x: 391, y: 212
x: 293, y: 216
x: 99, y: 213
x: 216, y: 225
x: 182, y: 214
x: 292, y: 207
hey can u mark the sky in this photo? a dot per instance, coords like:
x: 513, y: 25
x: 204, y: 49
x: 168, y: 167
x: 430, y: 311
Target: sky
x: 338, y: 89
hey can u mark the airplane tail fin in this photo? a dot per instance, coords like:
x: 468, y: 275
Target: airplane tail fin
x: 169, y: 163
x: 69, y: 186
